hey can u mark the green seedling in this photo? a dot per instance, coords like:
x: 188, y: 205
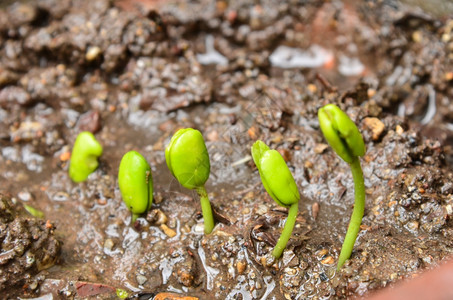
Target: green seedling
x: 345, y: 139
x: 84, y: 156
x: 136, y: 183
x: 280, y: 185
x: 33, y: 211
x: 122, y: 294
x: 188, y: 161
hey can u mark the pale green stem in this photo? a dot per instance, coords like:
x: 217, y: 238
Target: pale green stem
x: 287, y: 230
x: 206, y: 210
x: 134, y: 218
x: 357, y: 214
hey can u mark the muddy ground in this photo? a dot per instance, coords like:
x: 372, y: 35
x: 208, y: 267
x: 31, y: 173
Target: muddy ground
x: 238, y: 71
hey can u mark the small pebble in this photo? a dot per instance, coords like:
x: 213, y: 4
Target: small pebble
x: 290, y: 259
x: 371, y: 93
x: 212, y: 136
x: 312, y: 88
x: 320, y: 148
x: 108, y: 244
x: 157, y: 217
x: 376, y: 126
x: 198, y: 228
x: 65, y: 156
x: 412, y: 226
x: 25, y: 196
x: 168, y: 231
x: 328, y: 260
x: 290, y: 271
x: 417, y: 36
x: 90, y: 121
x: 92, y: 53
x: 141, y: 279
x: 241, y: 266
x: 185, y: 278
x: 261, y: 210
x: 321, y: 253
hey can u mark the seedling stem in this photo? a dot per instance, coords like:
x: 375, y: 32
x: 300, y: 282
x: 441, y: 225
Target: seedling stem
x: 206, y: 209
x: 357, y: 213
x: 287, y: 230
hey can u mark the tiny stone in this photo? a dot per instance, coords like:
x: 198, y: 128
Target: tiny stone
x: 168, y: 231
x: 213, y: 136
x: 158, y: 198
x: 412, y: 225
x: 399, y: 130
x: 321, y: 253
x: 198, y: 228
x: 417, y: 36
x: 90, y: 121
x: 295, y: 281
x: 371, y: 93
x: 92, y: 53
x: 290, y: 271
x: 320, y: 148
x: 328, y: 260
x: 252, y: 275
x: 185, y: 278
x: 25, y: 196
x: 108, y: 244
x: 141, y: 279
x: 33, y: 285
x: 241, y: 266
x: 312, y: 88
x: 157, y: 217
x: 449, y: 209
x: 261, y: 210
x: 376, y: 126
x: 267, y: 260
x: 290, y: 259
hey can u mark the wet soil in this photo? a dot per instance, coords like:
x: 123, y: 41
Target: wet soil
x: 135, y: 72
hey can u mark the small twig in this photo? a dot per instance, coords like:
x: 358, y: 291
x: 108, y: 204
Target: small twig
x: 326, y: 83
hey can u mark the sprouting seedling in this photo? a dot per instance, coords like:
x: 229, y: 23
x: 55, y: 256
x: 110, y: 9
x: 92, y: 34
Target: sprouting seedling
x: 34, y: 211
x: 280, y: 185
x: 136, y: 183
x: 188, y: 161
x: 84, y: 156
x: 345, y: 139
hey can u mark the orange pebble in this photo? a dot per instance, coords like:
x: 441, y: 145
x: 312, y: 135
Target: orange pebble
x: 65, y: 156
x: 48, y: 224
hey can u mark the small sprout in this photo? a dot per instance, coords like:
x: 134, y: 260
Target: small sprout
x: 345, y: 139
x: 341, y: 133
x: 280, y: 185
x: 84, y: 156
x: 34, y: 212
x: 188, y: 161
x: 187, y: 158
x: 136, y: 183
x: 122, y: 294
